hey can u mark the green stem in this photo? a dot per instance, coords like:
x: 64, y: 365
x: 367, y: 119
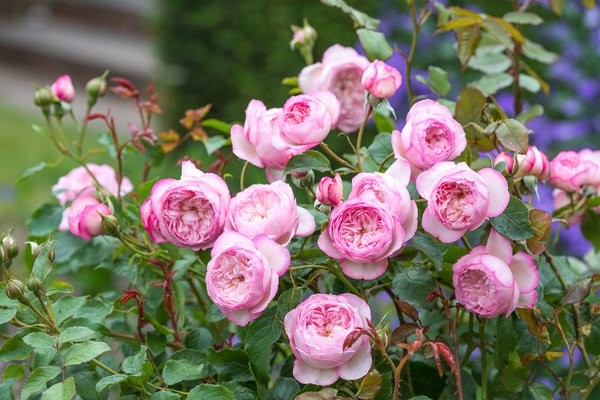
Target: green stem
x: 243, y: 175
x: 413, y: 48
x: 484, y: 366
x: 360, y: 136
x: 337, y: 158
x: 344, y: 280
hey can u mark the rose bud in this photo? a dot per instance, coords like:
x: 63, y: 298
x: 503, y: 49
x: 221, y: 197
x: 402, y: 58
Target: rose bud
x: 507, y: 158
x: 96, y: 87
x: 570, y: 172
x: 330, y: 190
x: 490, y: 280
x: 42, y: 97
x: 304, y: 37
x: 85, y: 217
x: 63, y: 89
x: 317, y: 330
x: 9, y: 244
x: 381, y: 79
x: 14, y: 288
x: 533, y: 163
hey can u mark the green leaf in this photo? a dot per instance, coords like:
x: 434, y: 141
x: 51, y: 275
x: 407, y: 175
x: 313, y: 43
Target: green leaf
x: 579, y: 291
x: 61, y: 391
x: 6, y: 314
x: 511, y: 133
x: 283, y: 389
x: 16, y: 371
x: 262, y: 333
x: 214, y: 314
x: 32, y: 171
x: 381, y: 147
x: 428, y: 246
x: 513, y: 223
x: 310, y: 160
x: 145, y: 188
x: 438, y: 81
x: 214, y: 143
x: 134, y: 365
x: 539, y: 391
x: 57, y: 286
x: 42, y: 265
x: 217, y: 125
x: 532, y: 112
x: 528, y: 83
x: 360, y: 18
x: 76, y: 334
x: 491, y: 83
x: 467, y: 41
x: 199, y: 339
x: 469, y: 105
x: 506, y: 340
x: 538, y: 53
x: 383, y: 122
x: 420, y: 398
x: 176, y: 371
x: 83, y: 352
x: 156, y: 342
x: 40, y: 340
x: 66, y: 306
x: 413, y: 285
x: 589, y: 228
x: 231, y: 364
x: 210, y: 392
x: 165, y: 395
x: 15, y: 349
x: 44, y: 220
x: 523, y: 17
x: 490, y: 62
x: 37, y: 380
x: 287, y: 301
x: 109, y: 381
x: 375, y: 44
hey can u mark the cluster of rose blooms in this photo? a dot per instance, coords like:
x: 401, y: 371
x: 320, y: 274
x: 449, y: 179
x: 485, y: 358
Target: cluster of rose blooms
x: 247, y: 234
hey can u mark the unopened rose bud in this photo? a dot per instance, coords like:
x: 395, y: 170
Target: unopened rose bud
x: 330, y: 190
x: 381, y: 80
x: 14, y: 288
x: 51, y: 255
x: 110, y: 224
x: 303, y: 179
x: 63, y: 89
x: 35, y: 284
x: 35, y: 249
x: 304, y: 40
x: 3, y: 256
x: 96, y: 87
x: 9, y: 244
x: 42, y: 97
x: 507, y: 158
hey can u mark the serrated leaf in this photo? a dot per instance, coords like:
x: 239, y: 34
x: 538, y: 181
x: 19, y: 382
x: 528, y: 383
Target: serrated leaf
x: 109, y: 381
x: 513, y: 223
x: 310, y: 160
x: 42, y: 265
x: 61, y: 391
x: 44, y: 220
x: 532, y: 112
x: 511, y: 133
x: 523, y: 17
x: 413, y: 285
x: 467, y: 40
x: 283, y: 389
x: 176, y: 371
x: 83, y: 352
x: 469, y: 105
x: 375, y: 44
x: 539, y: 391
x: 261, y: 335
x: 491, y: 83
x: 210, y: 392
x: 359, y: 17
x: 589, y: 228
x: 32, y: 171
x: 536, y: 52
x: 438, y: 81
x: 37, y: 380
x: 76, y: 334
x: 490, y: 62
x: 134, y: 365
x: 165, y: 395
x: 40, y: 340
x: 214, y: 143
x: 57, y: 286
x: 231, y: 364
x: 6, y: 314
x: 428, y: 246
x: 381, y: 147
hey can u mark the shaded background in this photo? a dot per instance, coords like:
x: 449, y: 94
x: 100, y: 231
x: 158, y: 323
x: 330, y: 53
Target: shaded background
x: 228, y: 52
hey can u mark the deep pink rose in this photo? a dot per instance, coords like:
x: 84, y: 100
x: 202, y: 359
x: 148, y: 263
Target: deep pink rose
x: 381, y: 80
x: 189, y: 212
x: 269, y: 210
x: 569, y: 171
x: 330, y: 190
x: 508, y: 159
x: 460, y: 199
x: 317, y: 329
x: 63, y: 89
x: 84, y: 217
x: 242, y: 276
x: 254, y: 141
x: 340, y: 71
x: 305, y: 121
x: 490, y: 280
x: 362, y: 235
x: 592, y: 156
x: 431, y: 135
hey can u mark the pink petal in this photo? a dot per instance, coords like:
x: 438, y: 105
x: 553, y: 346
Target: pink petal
x: 306, y: 226
x: 497, y: 191
x: 242, y: 148
x: 360, y: 304
x: 427, y: 180
x: 499, y: 246
x: 515, y: 301
x: 189, y: 171
x: 358, y: 366
x: 306, y: 374
x: 277, y: 255
x: 364, y: 270
x: 528, y: 300
x: 400, y: 170
x: 326, y: 245
x: 274, y: 174
x: 525, y: 272
x: 432, y: 225
x: 240, y: 317
x: 228, y: 240
x: 271, y: 291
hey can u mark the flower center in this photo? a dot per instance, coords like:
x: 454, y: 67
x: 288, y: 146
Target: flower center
x: 477, y: 289
x: 361, y: 228
x: 438, y: 140
x: 326, y: 320
x: 189, y: 215
x: 570, y: 162
x: 455, y: 204
x: 232, y: 276
x: 259, y: 207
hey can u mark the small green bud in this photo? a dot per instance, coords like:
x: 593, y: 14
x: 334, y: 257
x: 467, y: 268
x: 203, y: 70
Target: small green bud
x: 9, y: 244
x: 14, y: 288
x: 35, y: 284
x: 303, y: 179
x: 96, y: 87
x: 110, y: 224
x: 43, y: 97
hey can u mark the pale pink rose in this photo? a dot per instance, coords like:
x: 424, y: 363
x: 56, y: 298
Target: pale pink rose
x: 490, y: 280
x: 362, y: 235
x: 570, y: 172
x: 317, y: 329
x: 340, y: 71
x: 189, y: 212
x: 592, y: 156
x: 381, y: 80
x: 330, y: 190
x: 269, y: 210
x: 431, y: 135
x: 561, y: 199
x: 305, y: 121
x: 460, y: 199
x: 242, y: 276
x: 533, y: 163
x: 508, y: 159
x: 85, y: 217
x: 63, y: 89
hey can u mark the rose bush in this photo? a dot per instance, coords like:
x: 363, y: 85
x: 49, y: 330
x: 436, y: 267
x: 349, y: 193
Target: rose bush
x: 411, y: 264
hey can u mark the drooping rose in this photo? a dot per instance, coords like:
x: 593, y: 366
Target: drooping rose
x: 269, y: 210
x: 569, y: 171
x: 317, y: 329
x: 242, y: 276
x: 254, y: 141
x: 431, y: 135
x: 490, y: 280
x: 381, y: 80
x: 460, y: 199
x: 85, y: 217
x: 63, y: 89
x: 189, y: 212
x: 305, y: 120
x: 330, y: 190
x: 340, y: 71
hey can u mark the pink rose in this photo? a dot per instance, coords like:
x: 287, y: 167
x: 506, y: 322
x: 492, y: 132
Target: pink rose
x: 533, y: 163
x: 330, y: 190
x: 63, y: 89
x: 189, y: 212
x: 340, y: 71
x: 362, y: 235
x: 508, y: 159
x: 254, y: 141
x: 317, y: 329
x: 570, y: 172
x: 269, y: 210
x: 490, y: 280
x: 305, y: 121
x: 381, y: 80
x: 85, y: 217
x: 592, y: 156
x: 431, y: 135
x: 242, y: 276
x: 460, y: 199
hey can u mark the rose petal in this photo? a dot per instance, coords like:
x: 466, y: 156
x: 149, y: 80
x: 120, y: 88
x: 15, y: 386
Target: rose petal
x: 306, y: 374
x: 497, y: 191
x: 358, y: 366
x: 277, y: 255
x: 306, y: 225
x: 326, y: 245
x: 433, y: 225
x: 242, y: 148
x: 364, y: 270
x: 499, y: 246
x: 400, y: 170
x: 528, y: 300
x: 525, y: 272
